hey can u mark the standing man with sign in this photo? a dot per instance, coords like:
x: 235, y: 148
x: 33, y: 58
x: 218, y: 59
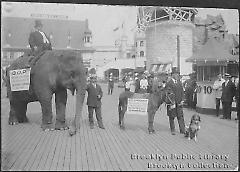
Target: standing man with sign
x: 176, y: 86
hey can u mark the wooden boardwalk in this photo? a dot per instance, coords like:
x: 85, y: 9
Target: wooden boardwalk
x: 26, y: 147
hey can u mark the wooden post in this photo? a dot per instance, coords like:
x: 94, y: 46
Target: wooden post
x: 178, y: 52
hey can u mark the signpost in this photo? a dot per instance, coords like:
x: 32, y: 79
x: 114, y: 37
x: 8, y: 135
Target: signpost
x: 137, y: 106
x: 20, y: 79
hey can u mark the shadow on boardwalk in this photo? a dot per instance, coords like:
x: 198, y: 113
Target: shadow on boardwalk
x: 26, y: 147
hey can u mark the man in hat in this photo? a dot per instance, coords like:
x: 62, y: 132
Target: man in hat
x: 94, y: 102
x: 38, y: 41
x: 110, y: 84
x: 175, y: 85
x: 228, y: 92
x: 144, y: 84
x: 217, y: 87
x: 137, y: 83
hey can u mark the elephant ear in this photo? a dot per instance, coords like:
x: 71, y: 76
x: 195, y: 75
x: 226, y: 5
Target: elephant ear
x: 70, y: 61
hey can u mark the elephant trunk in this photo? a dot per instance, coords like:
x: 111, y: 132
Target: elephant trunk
x: 79, y: 106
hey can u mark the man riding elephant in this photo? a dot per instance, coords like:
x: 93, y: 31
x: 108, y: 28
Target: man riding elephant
x: 38, y: 41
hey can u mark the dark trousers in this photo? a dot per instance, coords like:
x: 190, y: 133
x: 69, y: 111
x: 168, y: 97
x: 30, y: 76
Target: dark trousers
x: 176, y: 112
x: 97, y: 112
x: 237, y: 108
x: 227, y: 109
x: 218, y: 100
x: 110, y: 89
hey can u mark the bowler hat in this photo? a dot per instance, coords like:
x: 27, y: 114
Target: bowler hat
x: 227, y: 75
x: 175, y: 70
x: 38, y: 23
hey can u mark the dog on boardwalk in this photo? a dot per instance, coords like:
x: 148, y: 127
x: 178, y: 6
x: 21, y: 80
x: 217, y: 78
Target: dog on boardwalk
x: 192, y: 129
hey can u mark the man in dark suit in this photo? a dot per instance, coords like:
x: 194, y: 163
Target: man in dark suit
x: 176, y: 110
x: 110, y: 84
x: 94, y: 102
x: 228, y: 92
x: 38, y: 41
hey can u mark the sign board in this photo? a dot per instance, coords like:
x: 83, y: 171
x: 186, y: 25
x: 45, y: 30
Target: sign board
x: 137, y: 106
x: 20, y: 79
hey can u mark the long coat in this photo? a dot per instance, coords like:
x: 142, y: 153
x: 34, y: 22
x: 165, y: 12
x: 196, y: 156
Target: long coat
x: 36, y: 39
x: 177, y: 89
x: 228, y: 91
x: 93, y: 92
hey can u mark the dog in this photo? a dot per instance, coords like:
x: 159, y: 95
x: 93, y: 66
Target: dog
x: 192, y: 129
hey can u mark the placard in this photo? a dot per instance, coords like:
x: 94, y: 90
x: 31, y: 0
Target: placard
x: 137, y: 106
x: 20, y: 79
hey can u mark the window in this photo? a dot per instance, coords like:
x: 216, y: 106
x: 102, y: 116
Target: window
x: 141, y: 43
x: 141, y: 53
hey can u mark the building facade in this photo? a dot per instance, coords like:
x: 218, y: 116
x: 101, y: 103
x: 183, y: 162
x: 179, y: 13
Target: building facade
x: 65, y: 33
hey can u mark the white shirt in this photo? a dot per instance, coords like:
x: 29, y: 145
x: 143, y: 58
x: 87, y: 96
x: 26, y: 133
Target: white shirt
x: 143, y: 83
x: 45, y: 40
x: 217, y: 86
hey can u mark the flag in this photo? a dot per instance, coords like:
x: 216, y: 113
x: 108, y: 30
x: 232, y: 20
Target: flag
x: 116, y: 29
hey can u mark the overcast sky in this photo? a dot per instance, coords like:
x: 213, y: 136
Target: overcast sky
x: 104, y: 18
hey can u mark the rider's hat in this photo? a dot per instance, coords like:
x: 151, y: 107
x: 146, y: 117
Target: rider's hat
x: 38, y: 23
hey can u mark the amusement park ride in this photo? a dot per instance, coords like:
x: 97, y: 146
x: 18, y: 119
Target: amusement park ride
x: 168, y: 32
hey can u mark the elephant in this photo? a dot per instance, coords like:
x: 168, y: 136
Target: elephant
x: 54, y: 72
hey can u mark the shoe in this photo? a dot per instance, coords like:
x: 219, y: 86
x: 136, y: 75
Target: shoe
x: 173, y: 132
x: 101, y: 126
x: 91, y: 126
x: 222, y: 118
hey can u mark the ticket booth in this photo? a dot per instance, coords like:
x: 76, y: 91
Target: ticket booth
x: 211, y: 60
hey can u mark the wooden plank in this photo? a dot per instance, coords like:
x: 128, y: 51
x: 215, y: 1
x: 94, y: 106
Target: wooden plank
x: 17, y: 150
x: 57, y: 151
x: 83, y: 162
x: 43, y: 148
x: 104, y: 157
x: 12, y: 142
x: 66, y: 164
x: 51, y: 154
x: 122, y: 155
x: 112, y: 150
x: 105, y: 149
x: 88, y: 149
x: 129, y: 147
x: 31, y: 151
x: 50, y: 142
x: 94, y: 149
x: 60, y: 162
x: 73, y: 153
x: 36, y: 154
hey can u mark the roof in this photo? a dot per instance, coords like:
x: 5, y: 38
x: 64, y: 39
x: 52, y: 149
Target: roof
x: 20, y: 29
x: 213, y: 50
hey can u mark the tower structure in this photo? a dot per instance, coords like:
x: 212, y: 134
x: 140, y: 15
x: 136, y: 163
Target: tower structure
x: 169, y: 35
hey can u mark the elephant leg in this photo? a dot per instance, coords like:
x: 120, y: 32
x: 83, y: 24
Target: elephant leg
x: 14, y: 108
x: 61, y: 100
x: 45, y: 99
x: 22, y: 117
